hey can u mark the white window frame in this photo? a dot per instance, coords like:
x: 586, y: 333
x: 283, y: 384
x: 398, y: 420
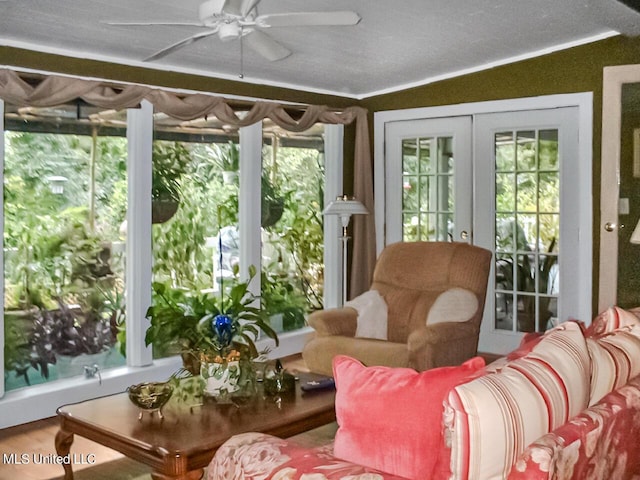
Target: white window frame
x: 41, y: 401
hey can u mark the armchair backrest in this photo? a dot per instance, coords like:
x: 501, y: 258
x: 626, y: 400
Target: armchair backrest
x: 411, y: 275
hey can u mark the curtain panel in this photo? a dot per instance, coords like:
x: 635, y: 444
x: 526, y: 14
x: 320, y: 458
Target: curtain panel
x: 55, y: 90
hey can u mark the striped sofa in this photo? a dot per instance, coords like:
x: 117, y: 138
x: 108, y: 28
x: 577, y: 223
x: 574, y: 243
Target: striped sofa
x: 565, y: 405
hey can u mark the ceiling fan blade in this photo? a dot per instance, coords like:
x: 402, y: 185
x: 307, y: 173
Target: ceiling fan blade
x: 146, y: 24
x: 240, y: 8
x: 308, y: 19
x: 248, y: 6
x: 266, y: 46
x: 180, y: 44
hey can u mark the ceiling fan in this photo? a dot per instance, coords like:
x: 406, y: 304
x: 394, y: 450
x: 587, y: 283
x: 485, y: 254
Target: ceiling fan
x: 239, y: 19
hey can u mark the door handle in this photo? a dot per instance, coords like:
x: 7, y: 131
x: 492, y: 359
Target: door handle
x: 610, y: 227
x: 464, y: 235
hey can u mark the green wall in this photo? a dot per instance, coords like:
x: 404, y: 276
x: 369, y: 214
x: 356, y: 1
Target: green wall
x: 578, y: 69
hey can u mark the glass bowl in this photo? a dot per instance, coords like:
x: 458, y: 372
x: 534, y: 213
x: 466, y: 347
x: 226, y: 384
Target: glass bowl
x: 150, y: 396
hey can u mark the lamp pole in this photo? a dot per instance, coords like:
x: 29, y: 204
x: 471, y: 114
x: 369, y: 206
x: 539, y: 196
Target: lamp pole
x: 344, y: 206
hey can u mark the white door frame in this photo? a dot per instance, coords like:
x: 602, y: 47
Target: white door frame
x: 584, y: 102
x: 613, y: 79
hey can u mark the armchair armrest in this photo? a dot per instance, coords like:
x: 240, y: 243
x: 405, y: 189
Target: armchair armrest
x: 440, y: 344
x: 334, y: 321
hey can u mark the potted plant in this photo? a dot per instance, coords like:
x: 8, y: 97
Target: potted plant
x: 21, y: 354
x: 229, y: 159
x: 272, y: 203
x: 63, y: 314
x: 205, y: 328
x: 170, y: 160
x: 284, y: 305
x: 76, y: 336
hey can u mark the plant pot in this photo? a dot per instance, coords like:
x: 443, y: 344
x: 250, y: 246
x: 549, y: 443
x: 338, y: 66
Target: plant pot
x: 70, y: 366
x: 221, y: 379
x: 276, y: 322
x: 163, y: 210
x: 272, y: 211
x: 229, y: 177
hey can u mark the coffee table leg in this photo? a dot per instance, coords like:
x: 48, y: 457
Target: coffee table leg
x: 64, y: 440
x: 192, y: 475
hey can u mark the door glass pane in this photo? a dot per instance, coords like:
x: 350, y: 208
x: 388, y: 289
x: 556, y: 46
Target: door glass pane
x: 527, y: 229
x: 65, y: 202
x: 195, y: 242
x: 428, y: 194
x: 292, y: 225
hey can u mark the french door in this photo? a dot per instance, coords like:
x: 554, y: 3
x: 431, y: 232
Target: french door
x: 509, y: 181
x: 526, y: 210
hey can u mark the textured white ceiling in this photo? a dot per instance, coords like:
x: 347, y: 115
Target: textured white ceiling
x: 395, y: 45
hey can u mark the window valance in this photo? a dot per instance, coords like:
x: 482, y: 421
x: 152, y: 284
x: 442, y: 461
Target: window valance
x: 55, y: 90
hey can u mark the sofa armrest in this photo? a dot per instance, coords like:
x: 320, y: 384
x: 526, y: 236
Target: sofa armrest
x: 334, y: 321
x: 254, y: 456
x: 600, y: 442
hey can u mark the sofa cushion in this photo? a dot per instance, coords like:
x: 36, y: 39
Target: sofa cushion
x: 615, y: 359
x: 372, y: 315
x: 391, y: 418
x: 453, y: 305
x: 612, y: 319
x: 494, y: 417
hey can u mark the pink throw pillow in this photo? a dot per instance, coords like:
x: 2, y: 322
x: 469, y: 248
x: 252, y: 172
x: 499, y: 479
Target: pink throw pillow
x: 390, y: 419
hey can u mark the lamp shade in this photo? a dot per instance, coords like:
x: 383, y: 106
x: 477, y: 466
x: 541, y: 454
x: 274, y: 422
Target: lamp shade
x: 345, y: 206
x: 635, y: 236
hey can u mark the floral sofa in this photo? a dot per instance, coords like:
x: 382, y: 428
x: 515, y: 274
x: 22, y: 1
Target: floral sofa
x: 564, y: 405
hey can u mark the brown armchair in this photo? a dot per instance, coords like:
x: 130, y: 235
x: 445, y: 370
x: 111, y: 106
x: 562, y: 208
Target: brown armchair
x: 435, y: 295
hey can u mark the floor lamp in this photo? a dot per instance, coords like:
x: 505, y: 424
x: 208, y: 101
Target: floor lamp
x: 635, y: 236
x: 344, y: 207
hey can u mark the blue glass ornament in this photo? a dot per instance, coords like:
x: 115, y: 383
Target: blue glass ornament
x: 223, y: 327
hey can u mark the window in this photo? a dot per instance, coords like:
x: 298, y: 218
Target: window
x: 65, y: 185
x: 135, y: 146
x: 292, y: 186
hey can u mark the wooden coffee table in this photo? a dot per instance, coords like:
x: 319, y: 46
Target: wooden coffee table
x: 183, y: 443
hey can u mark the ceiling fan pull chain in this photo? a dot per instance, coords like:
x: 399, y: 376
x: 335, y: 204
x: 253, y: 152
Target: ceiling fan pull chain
x: 241, y: 53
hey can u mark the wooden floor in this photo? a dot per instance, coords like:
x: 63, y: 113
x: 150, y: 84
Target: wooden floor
x: 36, y: 441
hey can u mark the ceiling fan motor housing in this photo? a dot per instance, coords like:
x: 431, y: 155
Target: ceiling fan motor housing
x: 229, y: 31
